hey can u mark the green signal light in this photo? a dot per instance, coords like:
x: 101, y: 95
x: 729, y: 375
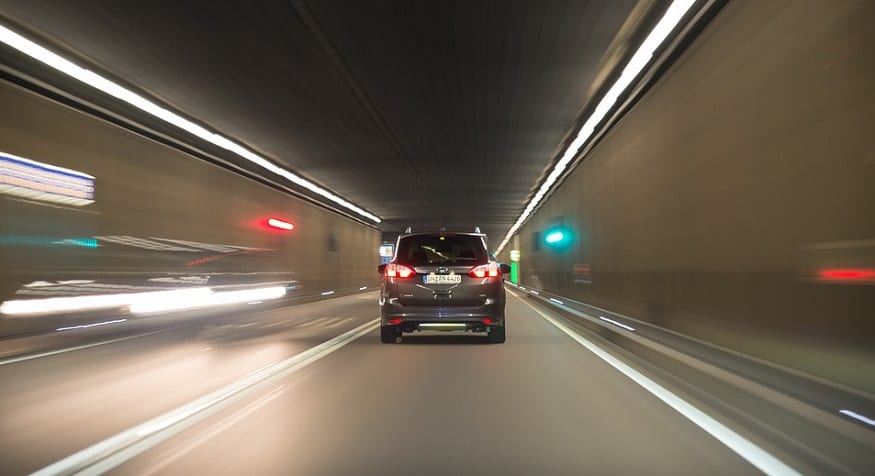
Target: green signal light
x: 559, y: 238
x: 555, y: 237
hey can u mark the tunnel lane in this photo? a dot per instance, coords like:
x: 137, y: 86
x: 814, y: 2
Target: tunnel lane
x: 435, y: 404
x: 56, y: 402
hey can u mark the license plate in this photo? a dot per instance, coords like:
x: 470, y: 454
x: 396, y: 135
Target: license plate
x: 442, y: 279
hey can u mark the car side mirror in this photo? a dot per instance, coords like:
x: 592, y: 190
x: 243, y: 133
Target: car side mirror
x: 382, y: 268
x: 505, y: 268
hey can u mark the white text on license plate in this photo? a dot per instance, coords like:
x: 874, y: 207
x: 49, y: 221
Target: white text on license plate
x: 442, y: 279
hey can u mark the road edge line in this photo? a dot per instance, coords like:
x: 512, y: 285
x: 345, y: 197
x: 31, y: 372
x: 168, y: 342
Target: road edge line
x: 749, y: 451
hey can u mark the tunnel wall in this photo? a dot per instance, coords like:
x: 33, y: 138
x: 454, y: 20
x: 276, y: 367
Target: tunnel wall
x: 147, y: 194
x: 727, y: 202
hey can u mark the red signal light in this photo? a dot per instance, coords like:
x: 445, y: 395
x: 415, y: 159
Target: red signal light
x: 280, y: 224
x: 394, y: 270
x: 489, y: 270
x: 848, y: 274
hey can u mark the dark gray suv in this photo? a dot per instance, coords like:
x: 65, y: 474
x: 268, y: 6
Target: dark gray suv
x: 442, y: 281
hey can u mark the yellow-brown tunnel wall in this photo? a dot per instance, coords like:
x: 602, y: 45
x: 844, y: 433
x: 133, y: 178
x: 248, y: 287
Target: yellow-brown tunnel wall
x: 716, y: 203
x: 146, y: 190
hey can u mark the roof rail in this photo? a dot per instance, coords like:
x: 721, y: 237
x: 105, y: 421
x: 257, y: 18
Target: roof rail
x: 409, y: 229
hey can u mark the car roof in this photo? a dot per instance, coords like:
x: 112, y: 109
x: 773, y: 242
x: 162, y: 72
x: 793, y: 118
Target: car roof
x: 441, y: 232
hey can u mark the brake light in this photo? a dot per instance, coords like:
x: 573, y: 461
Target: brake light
x: 399, y: 271
x: 489, y: 270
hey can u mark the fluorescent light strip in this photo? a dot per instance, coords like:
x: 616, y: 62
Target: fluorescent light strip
x: 633, y: 68
x: 94, y: 80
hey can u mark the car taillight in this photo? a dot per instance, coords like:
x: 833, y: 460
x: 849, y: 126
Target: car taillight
x: 399, y: 271
x: 489, y: 270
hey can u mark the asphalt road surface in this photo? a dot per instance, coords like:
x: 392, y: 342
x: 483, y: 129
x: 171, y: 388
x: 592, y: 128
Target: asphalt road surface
x: 310, y: 390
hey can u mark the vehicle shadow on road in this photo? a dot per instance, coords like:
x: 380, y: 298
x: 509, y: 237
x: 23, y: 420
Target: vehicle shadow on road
x: 452, y: 339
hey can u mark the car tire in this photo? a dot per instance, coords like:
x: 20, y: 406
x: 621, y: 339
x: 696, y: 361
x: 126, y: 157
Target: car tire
x: 388, y: 334
x: 496, y: 335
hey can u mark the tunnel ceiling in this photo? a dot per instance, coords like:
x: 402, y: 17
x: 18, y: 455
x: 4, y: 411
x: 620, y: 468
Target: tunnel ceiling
x: 427, y: 113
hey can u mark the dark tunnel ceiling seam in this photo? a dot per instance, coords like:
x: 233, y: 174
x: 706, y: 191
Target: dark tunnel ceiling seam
x: 336, y: 57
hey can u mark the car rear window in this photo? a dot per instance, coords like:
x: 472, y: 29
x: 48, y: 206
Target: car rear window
x: 421, y: 250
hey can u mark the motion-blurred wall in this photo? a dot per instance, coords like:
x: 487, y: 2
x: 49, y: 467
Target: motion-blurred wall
x: 158, y: 213
x: 736, y: 201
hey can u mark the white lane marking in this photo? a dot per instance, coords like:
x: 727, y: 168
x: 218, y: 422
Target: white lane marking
x: 857, y: 416
x: 314, y: 322
x: 619, y: 324
x: 760, y: 458
x: 325, y: 322
x: 115, y: 450
x: 71, y: 349
x: 216, y: 430
x: 94, y: 324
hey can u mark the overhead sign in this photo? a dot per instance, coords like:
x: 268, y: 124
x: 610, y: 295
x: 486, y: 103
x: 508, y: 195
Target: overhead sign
x: 386, y: 252
x: 34, y: 180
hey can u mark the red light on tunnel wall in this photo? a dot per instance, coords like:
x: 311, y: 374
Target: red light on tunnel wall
x: 848, y: 274
x: 280, y: 224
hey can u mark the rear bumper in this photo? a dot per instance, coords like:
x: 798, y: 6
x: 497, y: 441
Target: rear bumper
x: 410, y: 318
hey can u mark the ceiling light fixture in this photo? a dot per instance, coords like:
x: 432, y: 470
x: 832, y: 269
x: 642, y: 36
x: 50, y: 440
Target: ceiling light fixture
x: 633, y: 68
x: 115, y: 90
